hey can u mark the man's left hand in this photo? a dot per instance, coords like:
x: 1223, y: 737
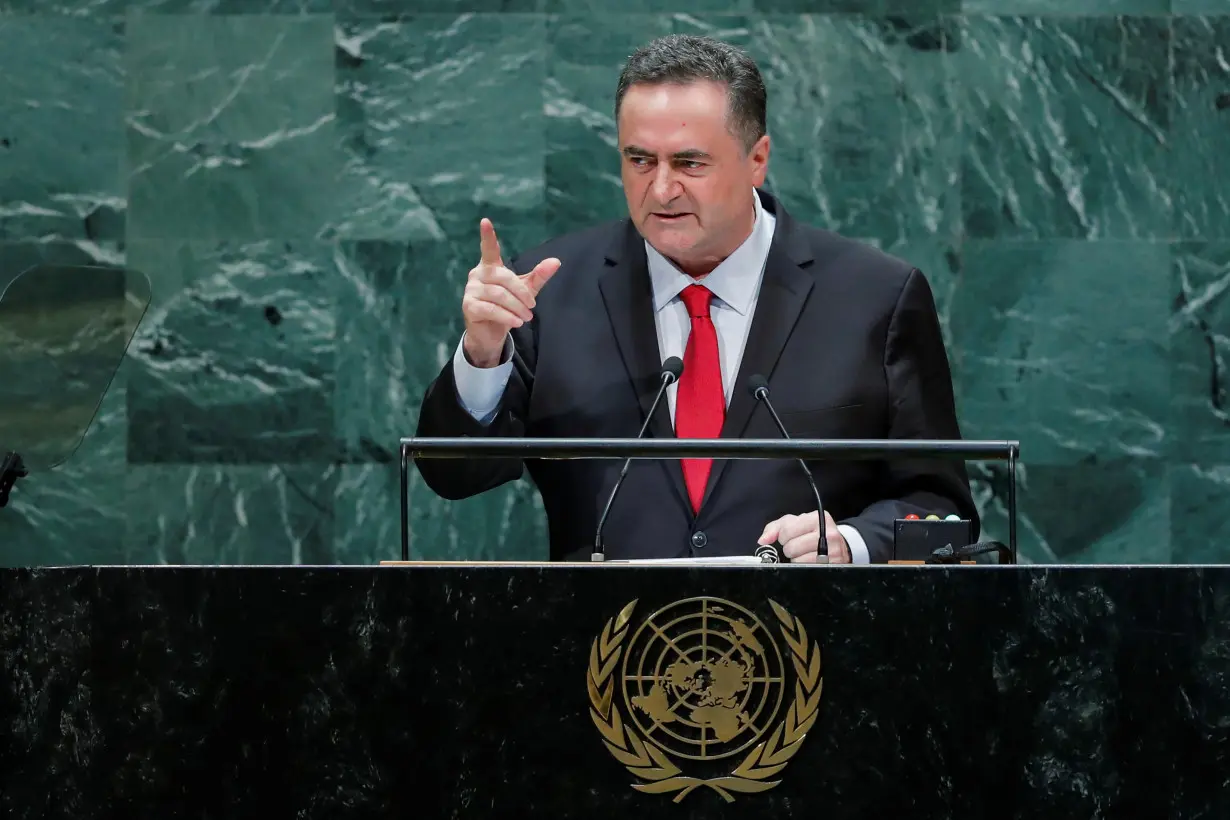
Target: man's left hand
x: 799, y: 536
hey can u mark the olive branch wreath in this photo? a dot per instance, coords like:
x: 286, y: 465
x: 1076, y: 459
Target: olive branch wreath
x: 650, y: 763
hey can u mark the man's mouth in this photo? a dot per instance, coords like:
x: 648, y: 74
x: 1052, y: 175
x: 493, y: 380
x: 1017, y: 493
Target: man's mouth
x: 670, y: 217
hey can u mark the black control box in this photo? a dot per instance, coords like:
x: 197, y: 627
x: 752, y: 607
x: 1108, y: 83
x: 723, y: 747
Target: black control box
x: 916, y: 539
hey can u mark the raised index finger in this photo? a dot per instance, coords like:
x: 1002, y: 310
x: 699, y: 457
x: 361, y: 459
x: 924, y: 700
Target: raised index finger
x: 489, y: 244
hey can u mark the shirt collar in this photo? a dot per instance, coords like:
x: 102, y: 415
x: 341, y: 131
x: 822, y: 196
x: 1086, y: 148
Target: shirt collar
x: 733, y: 282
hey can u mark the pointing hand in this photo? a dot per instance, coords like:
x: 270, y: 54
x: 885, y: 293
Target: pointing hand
x: 497, y: 300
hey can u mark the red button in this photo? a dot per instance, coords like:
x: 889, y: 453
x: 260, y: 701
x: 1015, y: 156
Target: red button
x: 911, y: 517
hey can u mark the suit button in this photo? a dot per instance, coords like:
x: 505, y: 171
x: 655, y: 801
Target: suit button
x: 699, y: 539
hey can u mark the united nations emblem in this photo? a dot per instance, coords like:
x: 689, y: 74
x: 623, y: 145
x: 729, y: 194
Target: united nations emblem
x: 701, y: 684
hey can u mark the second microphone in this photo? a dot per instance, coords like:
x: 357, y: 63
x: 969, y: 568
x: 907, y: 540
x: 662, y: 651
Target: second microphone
x: 758, y: 386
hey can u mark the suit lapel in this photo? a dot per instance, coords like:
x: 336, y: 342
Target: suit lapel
x: 783, y: 293
x: 627, y: 294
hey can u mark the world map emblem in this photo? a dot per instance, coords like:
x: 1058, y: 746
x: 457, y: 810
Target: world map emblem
x: 700, y: 695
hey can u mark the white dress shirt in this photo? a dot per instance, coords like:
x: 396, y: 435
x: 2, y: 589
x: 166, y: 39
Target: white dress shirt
x: 735, y: 284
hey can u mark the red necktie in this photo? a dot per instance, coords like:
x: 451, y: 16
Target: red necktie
x: 700, y: 404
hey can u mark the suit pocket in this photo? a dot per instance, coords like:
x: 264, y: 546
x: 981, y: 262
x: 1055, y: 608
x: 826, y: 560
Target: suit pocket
x: 839, y: 421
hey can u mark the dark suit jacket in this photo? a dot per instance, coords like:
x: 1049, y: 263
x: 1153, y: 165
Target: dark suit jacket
x: 847, y: 336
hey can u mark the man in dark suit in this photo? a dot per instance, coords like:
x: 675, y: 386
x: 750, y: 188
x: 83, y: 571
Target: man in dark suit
x: 712, y: 270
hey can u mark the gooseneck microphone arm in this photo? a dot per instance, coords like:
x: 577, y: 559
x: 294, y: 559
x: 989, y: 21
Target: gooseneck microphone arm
x: 759, y: 387
x: 672, y: 369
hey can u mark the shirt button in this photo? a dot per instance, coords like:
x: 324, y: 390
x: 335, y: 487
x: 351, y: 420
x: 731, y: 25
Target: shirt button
x: 699, y: 539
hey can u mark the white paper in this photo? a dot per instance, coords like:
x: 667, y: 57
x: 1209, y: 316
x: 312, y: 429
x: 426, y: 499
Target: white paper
x: 727, y: 560
x: 741, y: 560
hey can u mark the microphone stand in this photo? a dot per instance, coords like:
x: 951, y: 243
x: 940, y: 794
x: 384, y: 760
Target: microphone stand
x: 760, y: 391
x: 671, y: 370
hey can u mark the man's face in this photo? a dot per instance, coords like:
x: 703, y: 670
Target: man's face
x: 686, y: 177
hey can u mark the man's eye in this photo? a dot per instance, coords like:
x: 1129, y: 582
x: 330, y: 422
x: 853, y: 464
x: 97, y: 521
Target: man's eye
x: 691, y: 164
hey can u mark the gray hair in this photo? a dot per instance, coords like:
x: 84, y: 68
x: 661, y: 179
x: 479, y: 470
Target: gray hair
x: 686, y: 58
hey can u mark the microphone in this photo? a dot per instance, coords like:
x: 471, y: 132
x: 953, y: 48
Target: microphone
x: 758, y: 385
x: 672, y: 369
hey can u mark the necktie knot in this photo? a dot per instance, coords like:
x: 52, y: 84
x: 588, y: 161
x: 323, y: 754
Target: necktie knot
x: 696, y: 298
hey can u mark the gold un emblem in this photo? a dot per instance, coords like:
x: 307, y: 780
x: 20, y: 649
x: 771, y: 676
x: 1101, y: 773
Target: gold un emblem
x: 700, y: 684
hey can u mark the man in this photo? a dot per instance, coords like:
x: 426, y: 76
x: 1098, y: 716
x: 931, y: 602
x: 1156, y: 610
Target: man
x: 569, y: 340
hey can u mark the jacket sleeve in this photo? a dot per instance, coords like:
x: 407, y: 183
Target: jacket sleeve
x: 922, y: 406
x: 442, y: 414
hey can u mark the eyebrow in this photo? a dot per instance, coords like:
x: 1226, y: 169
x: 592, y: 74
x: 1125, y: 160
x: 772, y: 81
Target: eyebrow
x: 690, y: 153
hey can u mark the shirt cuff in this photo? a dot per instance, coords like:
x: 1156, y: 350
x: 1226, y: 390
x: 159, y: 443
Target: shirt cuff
x: 479, y: 389
x: 858, y: 547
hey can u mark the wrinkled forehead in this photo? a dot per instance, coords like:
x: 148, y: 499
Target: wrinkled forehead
x: 665, y: 119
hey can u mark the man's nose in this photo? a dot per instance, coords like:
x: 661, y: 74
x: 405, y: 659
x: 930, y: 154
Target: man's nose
x: 666, y: 187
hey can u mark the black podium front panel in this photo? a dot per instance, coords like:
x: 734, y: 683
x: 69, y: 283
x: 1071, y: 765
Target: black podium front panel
x: 615, y: 692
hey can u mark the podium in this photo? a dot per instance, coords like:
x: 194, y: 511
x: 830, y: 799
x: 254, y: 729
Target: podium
x: 915, y: 546
x: 605, y: 691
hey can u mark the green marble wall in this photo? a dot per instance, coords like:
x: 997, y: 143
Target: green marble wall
x: 301, y: 180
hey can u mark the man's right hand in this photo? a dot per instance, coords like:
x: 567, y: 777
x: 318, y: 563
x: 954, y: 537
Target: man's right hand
x: 496, y: 300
